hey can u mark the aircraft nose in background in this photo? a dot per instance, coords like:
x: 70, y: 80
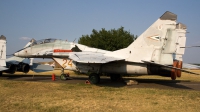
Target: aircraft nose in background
x: 16, y: 54
x: 19, y: 53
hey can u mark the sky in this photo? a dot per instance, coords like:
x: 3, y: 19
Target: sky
x: 21, y: 20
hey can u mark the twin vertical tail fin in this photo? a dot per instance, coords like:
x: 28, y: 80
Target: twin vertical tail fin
x: 181, y: 41
x: 160, y: 41
x: 2, y: 50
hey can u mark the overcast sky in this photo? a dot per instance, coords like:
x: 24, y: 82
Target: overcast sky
x: 21, y: 20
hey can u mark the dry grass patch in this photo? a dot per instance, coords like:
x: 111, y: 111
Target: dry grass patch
x: 46, y: 96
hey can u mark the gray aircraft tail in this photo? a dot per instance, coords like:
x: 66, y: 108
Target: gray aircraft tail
x: 159, y: 42
x: 2, y: 50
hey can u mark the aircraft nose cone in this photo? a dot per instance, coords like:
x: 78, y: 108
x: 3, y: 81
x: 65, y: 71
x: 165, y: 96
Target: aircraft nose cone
x: 16, y: 54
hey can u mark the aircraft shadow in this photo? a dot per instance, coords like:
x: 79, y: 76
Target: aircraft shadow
x: 105, y: 81
x: 26, y: 77
x: 146, y: 83
x: 159, y: 83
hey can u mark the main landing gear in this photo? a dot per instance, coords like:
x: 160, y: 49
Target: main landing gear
x: 1, y: 73
x: 94, y: 78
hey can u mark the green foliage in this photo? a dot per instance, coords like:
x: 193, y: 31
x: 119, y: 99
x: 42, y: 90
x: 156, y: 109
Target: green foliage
x: 108, y: 40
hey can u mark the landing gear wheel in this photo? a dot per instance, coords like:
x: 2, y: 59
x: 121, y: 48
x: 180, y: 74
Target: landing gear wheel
x: 0, y: 73
x: 63, y: 77
x: 115, y: 77
x: 94, y: 78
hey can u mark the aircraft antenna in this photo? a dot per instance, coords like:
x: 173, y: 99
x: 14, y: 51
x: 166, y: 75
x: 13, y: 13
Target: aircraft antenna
x: 74, y: 40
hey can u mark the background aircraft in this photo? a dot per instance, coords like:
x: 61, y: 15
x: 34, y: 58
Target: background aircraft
x: 2, y: 54
x: 13, y: 64
x: 17, y: 64
x: 156, y: 51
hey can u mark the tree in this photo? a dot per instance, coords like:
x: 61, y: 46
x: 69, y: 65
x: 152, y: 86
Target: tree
x: 110, y: 40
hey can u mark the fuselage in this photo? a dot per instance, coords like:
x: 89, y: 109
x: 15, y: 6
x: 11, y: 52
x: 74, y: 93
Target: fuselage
x: 59, y: 51
x: 48, y: 48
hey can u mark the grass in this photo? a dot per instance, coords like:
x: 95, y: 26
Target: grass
x: 39, y: 96
x: 26, y: 96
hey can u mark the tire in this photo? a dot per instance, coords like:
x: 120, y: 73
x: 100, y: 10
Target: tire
x: 94, y: 78
x: 1, y: 73
x: 63, y: 77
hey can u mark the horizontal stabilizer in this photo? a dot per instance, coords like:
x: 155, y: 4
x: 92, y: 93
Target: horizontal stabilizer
x: 148, y: 62
x: 17, y: 60
x: 2, y: 62
x: 190, y: 66
x: 189, y: 46
x: 3, y: 68
x: 36, y: 67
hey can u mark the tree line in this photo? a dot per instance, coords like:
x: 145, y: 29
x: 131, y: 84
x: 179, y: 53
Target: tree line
x: 110, y: 40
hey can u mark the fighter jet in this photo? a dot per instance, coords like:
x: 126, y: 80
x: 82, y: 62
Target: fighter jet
x: 2, y: 54
x: 156, y: 51
x: 18, y: 64
x: 13, y: 64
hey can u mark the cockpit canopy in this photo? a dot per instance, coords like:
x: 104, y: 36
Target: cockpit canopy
x: 50, y: 40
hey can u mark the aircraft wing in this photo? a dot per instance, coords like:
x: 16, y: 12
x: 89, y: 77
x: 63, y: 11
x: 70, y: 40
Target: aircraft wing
x: 36, y: 67
x: 190, y: 66
x: 171, y: 67
x: 92, y: 57
x: 17, y: 60
x: 189, y: 46
x: 3, y: 68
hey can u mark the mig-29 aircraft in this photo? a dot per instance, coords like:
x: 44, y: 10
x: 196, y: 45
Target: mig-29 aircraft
x: 13, y: 64
x: 2, y: 54
x: 156, y: 51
